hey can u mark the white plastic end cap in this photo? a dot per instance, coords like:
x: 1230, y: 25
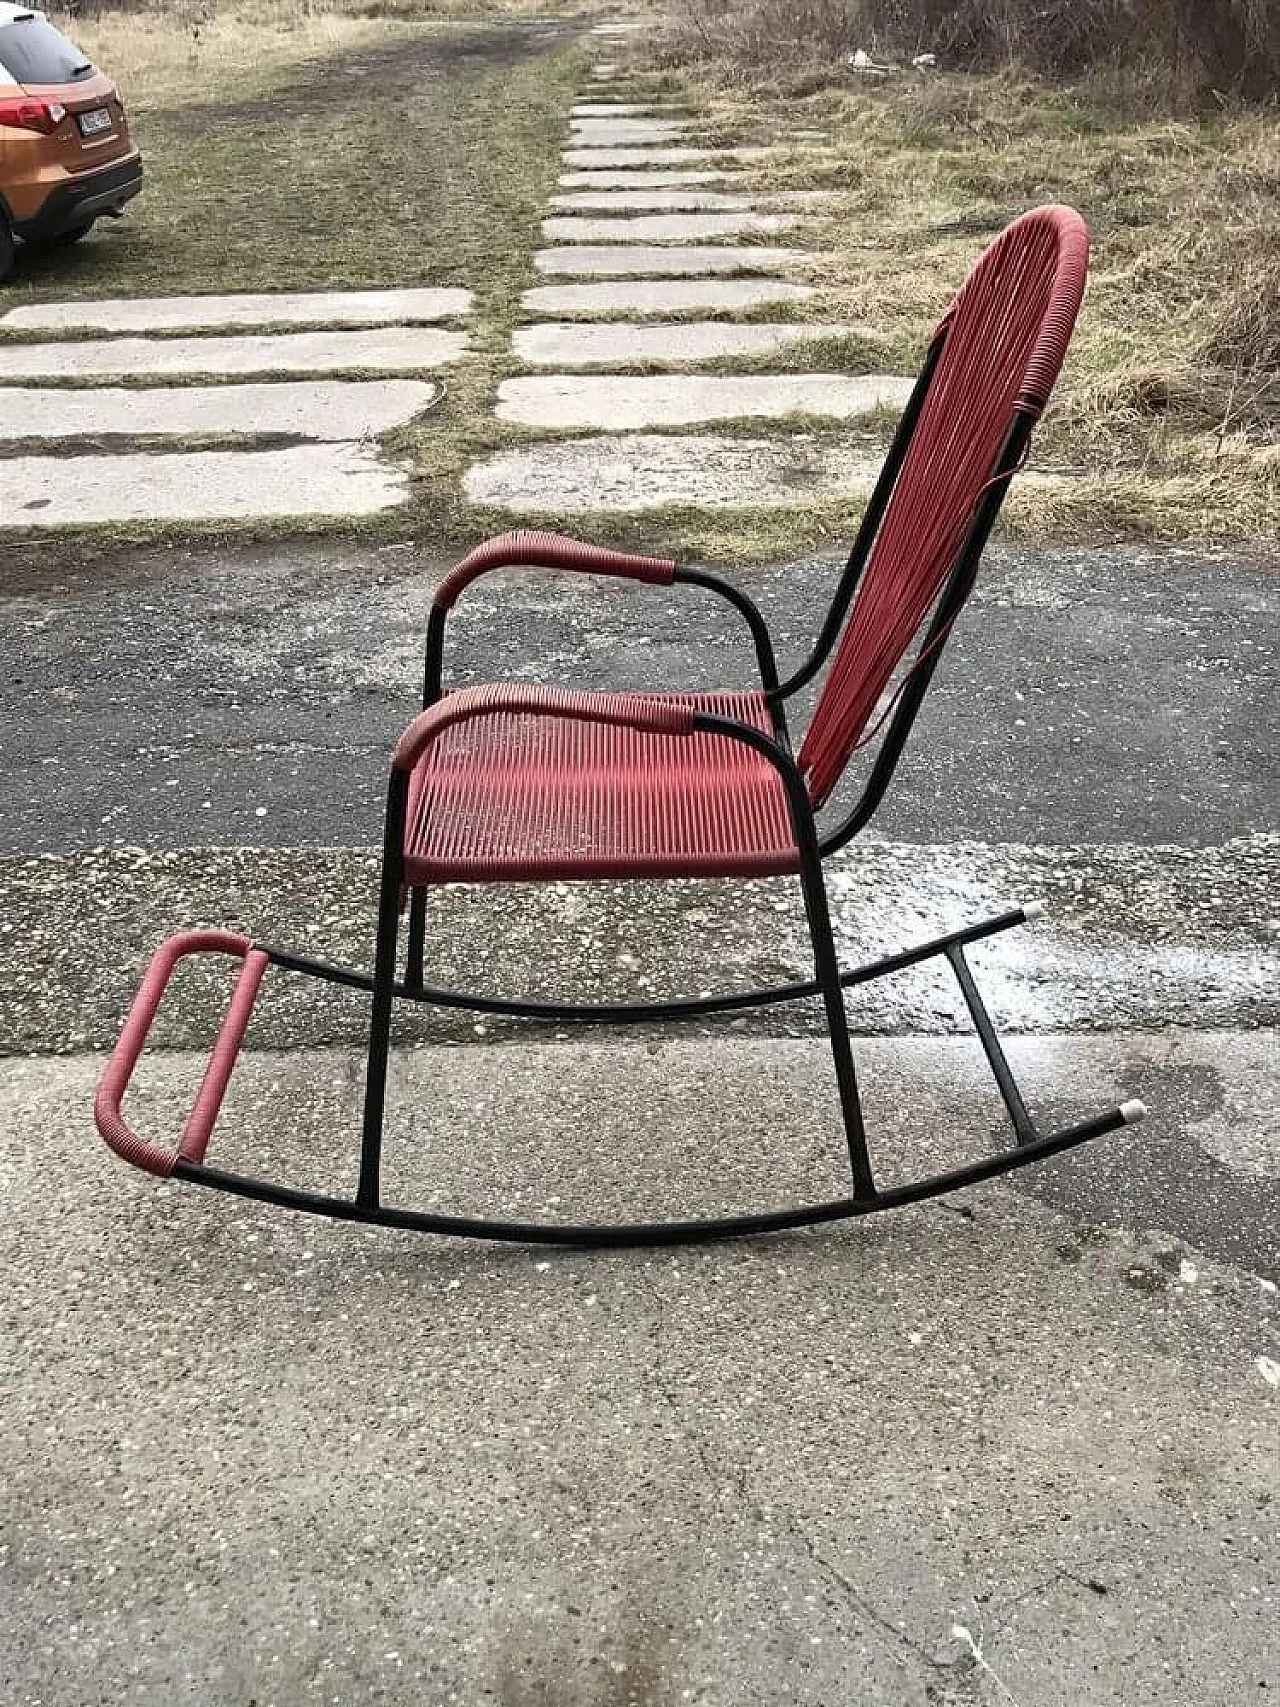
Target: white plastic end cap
x: 1133, y: 1111
x: 1032, y: 909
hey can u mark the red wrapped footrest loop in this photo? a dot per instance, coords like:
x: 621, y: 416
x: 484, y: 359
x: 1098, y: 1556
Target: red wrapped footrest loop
x: 124, y: 1057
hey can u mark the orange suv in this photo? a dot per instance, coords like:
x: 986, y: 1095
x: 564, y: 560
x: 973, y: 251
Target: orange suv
x: 66, y: 155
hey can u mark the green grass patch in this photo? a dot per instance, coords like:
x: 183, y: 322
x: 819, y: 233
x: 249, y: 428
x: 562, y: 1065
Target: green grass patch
x: 422, y: 161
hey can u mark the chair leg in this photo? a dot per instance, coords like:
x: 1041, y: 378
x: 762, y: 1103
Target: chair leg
x: 384, y: 979
x: 827, y: 971
x: 415, y: 949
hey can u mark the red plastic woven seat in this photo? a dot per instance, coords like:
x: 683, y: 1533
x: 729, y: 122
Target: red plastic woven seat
x: 508, y: 797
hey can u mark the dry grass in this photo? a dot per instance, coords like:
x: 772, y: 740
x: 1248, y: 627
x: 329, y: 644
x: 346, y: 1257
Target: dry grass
x: 1168, y: 415
x: 189, y: 52
x: 181, y: 55
x: 1194, y: 48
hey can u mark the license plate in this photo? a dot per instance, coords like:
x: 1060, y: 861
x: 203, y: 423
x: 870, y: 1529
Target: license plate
x: 94, y: 123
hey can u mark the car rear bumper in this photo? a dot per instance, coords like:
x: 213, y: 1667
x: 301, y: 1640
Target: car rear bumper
x: 81, y: 199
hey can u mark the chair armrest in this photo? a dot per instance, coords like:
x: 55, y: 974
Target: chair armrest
x: 531, y: 550
x: 630, y: 711
x: 775, y: 754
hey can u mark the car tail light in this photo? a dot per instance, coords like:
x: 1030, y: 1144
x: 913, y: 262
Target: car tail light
x: 42, y: 116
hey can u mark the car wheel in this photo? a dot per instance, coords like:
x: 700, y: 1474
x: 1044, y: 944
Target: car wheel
x: 6, y: 247
x: 65, y: 239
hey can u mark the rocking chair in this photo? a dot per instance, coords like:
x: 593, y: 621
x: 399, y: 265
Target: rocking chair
x: 518, y: 783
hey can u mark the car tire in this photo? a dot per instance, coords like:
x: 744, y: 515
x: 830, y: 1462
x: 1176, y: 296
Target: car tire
x: 65, y: 239
x: 6, y: 247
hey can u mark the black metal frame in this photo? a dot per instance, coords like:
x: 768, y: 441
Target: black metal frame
x: 1031, y: 1145
x: 828, y: 982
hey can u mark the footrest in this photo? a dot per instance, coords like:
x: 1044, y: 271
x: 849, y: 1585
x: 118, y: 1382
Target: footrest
x: 113, y: 1084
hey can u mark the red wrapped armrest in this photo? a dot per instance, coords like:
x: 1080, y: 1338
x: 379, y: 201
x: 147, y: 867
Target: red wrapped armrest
x: 632, y: 711
x: 528, y: 549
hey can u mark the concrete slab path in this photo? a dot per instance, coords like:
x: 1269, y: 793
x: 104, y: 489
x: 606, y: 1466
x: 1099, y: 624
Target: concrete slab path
x: 326, y: 410
x: 623, y: 132
x: 652, y: 201
x: 665, y: 228
x: 182, y: 313
x: 311, y: 480
x: 623, y: 109
x: 569, y: 344
x: 619, y: 402
x: 636, y: 260
x: 647, y: 471
x: 633, y: 180
x: 596, y: 158
x: 642, y: 297
x: 391, y: 350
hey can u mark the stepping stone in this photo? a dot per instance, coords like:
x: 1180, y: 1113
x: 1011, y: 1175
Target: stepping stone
x: 661, y: 296
x: 636, y: 260
x: 395, y: 349
x: 671, y: 227
x: 595, y: 157
x: 621, y: 402
x: 648, y: 471
x: 323, y: 410
x: 620, y: 109
x: 309, y: 480
x: 652, y: 201
x: 640, y: 180
x: 570, y: 344
x: 625, y: 133
x: 178, y: 313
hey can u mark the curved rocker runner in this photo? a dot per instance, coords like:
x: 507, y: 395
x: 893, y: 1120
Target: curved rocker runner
x: 515, y: 783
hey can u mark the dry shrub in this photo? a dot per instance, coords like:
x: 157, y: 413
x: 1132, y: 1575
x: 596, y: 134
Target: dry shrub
x: 1245, y: 335
x: 1219, y: 400
x: 1231, y: 47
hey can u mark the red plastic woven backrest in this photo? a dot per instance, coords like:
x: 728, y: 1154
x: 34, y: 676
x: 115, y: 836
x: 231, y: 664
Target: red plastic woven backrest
x: 1006, y: 335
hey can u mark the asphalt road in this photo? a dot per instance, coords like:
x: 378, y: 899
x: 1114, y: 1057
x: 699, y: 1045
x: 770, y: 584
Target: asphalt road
x: 1018, y: 1445
x: 252, y: 698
